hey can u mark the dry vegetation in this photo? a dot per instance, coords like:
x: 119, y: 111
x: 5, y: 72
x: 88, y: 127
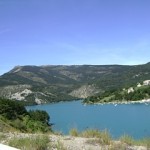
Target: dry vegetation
x: 87, y: 140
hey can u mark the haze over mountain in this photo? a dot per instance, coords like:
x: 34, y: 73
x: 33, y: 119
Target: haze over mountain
x: 51, y: 83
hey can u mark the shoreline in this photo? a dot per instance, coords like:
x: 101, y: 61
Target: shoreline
x: 144, y: 101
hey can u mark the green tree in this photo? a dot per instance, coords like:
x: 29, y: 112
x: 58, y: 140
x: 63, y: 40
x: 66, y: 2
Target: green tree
x: 40, y: 115
x: 11, y: 109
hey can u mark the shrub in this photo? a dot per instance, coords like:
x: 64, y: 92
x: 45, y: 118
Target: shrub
x: 11, y: 109
x: 40, y: 115
x: 18, y: 124
x: 14, y: 114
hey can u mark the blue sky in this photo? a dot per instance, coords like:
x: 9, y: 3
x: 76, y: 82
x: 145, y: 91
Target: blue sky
x: 42, y: 32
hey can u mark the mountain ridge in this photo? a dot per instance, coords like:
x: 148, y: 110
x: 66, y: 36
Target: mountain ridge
x: 52, y: 83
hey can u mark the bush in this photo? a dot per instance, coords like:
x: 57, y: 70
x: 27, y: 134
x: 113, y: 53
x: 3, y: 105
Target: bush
x: 18, y: 124
x: 40, y: 115
x: 14, y: 114
x: 11, y: 109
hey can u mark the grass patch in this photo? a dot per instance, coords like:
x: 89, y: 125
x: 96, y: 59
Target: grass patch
x: 2, y: 137
x: 74, y: 132
x: 117, y: 146
x: 91, y: 133
x: 59, y: 146
x: 34, y: 143
x: 101, y: 137
x: 143, y: 142
x: 130, y: 141
x: 106, y: 137
x: 146, y: 142
x: 5, y: 125
x: 127, y: 139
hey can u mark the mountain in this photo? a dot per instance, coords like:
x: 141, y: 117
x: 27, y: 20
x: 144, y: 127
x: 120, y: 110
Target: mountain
x: 52, y: 83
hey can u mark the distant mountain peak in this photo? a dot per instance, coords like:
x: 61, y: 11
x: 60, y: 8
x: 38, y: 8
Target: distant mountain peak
x: 16, y: 69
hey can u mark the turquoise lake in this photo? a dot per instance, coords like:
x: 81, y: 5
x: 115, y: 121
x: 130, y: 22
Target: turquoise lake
x: 131, y: 119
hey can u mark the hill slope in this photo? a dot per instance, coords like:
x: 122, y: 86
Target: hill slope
x: 42, y: 84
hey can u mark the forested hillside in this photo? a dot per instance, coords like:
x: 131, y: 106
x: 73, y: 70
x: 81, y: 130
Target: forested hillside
x: 122, y: 95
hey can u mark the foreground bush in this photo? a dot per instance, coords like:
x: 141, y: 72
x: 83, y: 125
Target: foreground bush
x: 11, y: 109
x: 15, y: 115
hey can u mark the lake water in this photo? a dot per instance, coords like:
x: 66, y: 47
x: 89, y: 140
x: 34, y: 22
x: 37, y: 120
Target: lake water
x: 132, y: 119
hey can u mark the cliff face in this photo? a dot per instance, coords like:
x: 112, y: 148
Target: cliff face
x: 84, y: 91
x: 42, y: 84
